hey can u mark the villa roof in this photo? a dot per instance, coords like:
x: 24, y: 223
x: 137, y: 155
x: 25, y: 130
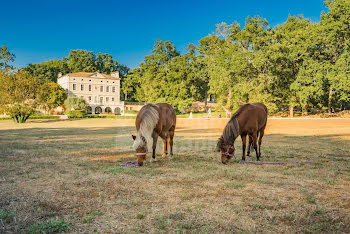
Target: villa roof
x: 95, y: 75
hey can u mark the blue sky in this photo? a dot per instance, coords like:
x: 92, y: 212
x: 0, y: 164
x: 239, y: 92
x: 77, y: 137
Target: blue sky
x: 37, y: 30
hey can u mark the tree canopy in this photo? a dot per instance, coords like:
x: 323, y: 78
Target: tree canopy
x: 299, y: 63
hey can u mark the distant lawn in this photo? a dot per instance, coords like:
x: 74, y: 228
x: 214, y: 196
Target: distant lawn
x: 65, y: 176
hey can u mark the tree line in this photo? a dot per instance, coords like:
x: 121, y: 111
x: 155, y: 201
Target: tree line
x: 77, y: 61
x: 298, y: 64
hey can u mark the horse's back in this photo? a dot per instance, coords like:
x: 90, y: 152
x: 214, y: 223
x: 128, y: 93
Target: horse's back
x: 167, y: 114
x: 252, y: 115
x: 261, y: 113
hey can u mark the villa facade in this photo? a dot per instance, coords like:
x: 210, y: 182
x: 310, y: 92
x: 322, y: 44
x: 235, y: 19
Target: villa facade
x: 101, y: 91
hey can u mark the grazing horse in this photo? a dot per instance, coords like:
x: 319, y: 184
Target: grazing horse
x: 153, y: 121
x: 250, y: 119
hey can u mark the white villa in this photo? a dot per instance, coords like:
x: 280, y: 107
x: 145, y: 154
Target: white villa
x: 101, y: 91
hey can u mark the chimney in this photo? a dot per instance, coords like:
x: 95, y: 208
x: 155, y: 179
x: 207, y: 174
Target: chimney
x: 59, y: 74
x: 115, y: 74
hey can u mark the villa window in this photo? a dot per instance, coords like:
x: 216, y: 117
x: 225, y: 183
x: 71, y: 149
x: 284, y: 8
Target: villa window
x: 101, y: 88
x: 101, y: 100
x: 74, y: 86
x: 113, y: 89
x: 82, y: 87
x: 112, y: 99
x: 89, y: 98
x: 107, y: 99
x: 107, y: 89
x: 89, y: 87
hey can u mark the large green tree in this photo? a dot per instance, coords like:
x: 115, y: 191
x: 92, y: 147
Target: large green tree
x: 48, y: 71
x: 51, y: 95
x: 18, y: 94
x: 166, y: 76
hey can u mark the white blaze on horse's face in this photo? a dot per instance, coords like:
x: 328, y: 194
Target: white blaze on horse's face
x: 227, y: 153
x: 141, y: 156
x: 141, y: 153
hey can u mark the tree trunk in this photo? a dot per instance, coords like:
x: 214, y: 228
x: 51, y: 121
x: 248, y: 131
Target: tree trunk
x: 291, y: 111
x: 205, y: 99
x: 330, y: 100
x: 306, y: 106
x: 228, y: 98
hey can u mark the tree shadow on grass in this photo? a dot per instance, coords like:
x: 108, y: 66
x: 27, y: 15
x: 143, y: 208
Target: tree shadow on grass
x: 109, y: 141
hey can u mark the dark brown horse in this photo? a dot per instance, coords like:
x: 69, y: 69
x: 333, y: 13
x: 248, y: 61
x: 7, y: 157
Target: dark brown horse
x: 250, y: 119
x: 153, y: 121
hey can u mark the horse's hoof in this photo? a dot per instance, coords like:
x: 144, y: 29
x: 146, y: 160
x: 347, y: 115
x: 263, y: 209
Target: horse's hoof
x: 153, y: 160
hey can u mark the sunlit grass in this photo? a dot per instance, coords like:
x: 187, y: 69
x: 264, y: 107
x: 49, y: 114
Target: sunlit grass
x: 70, y: 170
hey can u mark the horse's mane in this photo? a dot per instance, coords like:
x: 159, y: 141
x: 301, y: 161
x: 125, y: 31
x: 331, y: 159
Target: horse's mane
x: 231, y: 130
x: 149, y: 120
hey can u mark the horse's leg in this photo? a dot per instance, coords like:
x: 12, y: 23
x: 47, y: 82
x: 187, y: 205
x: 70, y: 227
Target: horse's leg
x: 260, y: 139
x: 255, y: 140
x: 249, y: 145
x: 171, y: 141
x: 244, y: 141
x: 165, y: 145
x: 155, y: 139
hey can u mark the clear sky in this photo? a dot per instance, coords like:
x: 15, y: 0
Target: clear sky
x: 40, y: 30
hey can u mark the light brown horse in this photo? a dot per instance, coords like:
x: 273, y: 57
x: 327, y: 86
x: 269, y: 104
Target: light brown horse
x: 153, y: 121
x: 250, y: 119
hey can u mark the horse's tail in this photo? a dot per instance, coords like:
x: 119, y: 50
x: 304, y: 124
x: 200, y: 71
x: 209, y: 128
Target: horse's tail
x: 149, y: 121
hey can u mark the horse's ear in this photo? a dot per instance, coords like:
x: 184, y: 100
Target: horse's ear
x: 133, y: 137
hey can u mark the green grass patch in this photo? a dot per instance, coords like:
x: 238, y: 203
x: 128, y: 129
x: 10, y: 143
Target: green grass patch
x: 234, y: 184
x: 259, y: 206
x: 160, y: 222
x: 140, y: 215
x: 116, y: 170
x: 140, y: 171
x: 88, y: 219
x: 50, y: 226
x: 311, y: 199
x: 5, y: 215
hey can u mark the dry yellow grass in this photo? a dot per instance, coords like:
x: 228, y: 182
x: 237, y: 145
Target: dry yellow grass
x: 70, y: 170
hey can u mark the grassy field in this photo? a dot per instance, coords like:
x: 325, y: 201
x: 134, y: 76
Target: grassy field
x: 64, y: 175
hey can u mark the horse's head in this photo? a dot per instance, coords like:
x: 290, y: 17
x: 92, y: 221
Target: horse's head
x: 141, y: 150
x: 227, y: 150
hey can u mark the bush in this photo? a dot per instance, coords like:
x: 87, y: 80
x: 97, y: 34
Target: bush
x: 110, y: 117
x: 76, y: 114
x: 44, y: 117
x: 20, y: 112
x: 35, y: 117
x: 75, y: 103
x: 327, y: 115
